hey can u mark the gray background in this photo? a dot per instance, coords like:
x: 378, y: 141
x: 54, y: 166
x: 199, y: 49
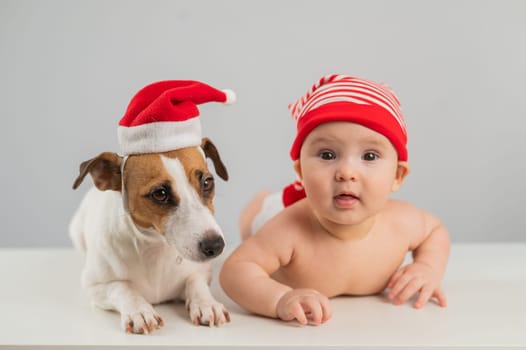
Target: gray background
x: 69, y: 68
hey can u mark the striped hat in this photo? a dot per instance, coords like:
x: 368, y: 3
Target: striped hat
x: 344, y: 98
x: 163, y: 116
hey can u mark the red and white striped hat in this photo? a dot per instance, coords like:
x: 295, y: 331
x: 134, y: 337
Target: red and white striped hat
x: 163, y: 116
x: 345, y: 98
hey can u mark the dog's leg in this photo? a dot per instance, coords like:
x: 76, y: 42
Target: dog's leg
x: 137, y: 315
x: 201, y: 305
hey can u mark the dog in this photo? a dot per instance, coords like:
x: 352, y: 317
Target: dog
x: 147, y: 232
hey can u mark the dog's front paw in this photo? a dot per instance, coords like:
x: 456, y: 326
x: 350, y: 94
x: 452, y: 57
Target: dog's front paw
x: 209, y: 313
x: 142, y: 321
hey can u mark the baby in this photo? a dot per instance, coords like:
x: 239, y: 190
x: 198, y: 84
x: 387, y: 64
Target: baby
x: 336, y: 231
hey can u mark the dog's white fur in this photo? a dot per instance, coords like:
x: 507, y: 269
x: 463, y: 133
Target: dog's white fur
x: 128, y: 268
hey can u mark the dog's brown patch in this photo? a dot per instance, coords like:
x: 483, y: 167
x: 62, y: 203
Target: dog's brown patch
x: 144, y: 173
x: 196, y: 170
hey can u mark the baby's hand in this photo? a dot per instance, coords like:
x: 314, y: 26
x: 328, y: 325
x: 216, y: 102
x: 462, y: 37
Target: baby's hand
x: 413, y: 278
x: 304, y: 305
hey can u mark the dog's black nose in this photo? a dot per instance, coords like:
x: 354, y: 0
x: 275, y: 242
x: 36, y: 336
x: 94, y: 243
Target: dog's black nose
x: 212, y: 247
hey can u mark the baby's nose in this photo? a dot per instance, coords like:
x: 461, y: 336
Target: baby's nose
x: 346, y: 171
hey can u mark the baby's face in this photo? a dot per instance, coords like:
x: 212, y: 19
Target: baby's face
x: 348, y: 171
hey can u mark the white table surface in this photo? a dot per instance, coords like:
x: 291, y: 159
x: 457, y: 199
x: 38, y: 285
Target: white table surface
x: 42, y: 304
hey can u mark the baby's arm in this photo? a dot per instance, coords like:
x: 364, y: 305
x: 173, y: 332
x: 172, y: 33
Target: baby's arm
x: 430, y: 247
x: 245, y: 277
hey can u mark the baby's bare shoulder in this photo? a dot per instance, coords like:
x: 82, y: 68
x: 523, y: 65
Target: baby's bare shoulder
x: 398, y: 207
x: 408, y: 219
x: 404, y: 216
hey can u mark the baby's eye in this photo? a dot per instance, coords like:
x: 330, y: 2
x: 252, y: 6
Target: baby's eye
x: 370, y: 156
x: 327, y: 155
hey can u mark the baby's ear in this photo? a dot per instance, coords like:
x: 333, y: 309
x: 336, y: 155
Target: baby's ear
x: 402, y: 170
x: 297, y: 168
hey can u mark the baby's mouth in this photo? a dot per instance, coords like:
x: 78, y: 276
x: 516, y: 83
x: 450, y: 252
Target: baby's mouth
x: 347, y: 196
x: 346, y: 199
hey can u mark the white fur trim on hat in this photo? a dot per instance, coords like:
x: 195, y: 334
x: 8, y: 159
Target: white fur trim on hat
x: 159, y: 136
x: 230, y: 96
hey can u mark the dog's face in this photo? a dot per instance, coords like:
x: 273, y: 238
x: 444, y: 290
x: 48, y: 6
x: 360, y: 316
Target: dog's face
x: 171, y: 194
x: 167, y: 194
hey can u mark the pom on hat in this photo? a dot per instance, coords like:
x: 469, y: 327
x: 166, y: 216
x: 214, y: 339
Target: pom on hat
x: 292, y: 193
x: 163, y: 116
x: 230, y: 96
x: 344, y: 98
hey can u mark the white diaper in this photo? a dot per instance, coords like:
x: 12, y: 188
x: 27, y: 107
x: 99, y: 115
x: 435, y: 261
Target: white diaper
x: 271, y: 206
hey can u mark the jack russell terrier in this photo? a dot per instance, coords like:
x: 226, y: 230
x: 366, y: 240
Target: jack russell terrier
x: 147, y: 228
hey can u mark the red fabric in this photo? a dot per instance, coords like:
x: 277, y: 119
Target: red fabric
x: 344, y: 98
x: 370, y: 116
x: 169, y: 100
x: 293, y: 193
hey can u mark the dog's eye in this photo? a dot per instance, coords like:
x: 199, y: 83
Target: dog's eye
x: 207, y: 184
x: 160, y: 195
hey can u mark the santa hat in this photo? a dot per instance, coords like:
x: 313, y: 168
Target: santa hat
x: 345, y: 98
x: 163, y: 116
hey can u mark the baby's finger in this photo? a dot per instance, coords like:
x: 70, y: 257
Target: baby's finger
x: 423, y: 297
x: 441, y: 297
x: 327, y: 309
x: 312, y: 307
x: 409, y: 290
x: 299, y: 314
x: 292, y: 311
x: 395, y: 278
x: 399, y: 286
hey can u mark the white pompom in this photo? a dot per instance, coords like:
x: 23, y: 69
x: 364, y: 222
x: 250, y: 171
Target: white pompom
x: 230, y: 96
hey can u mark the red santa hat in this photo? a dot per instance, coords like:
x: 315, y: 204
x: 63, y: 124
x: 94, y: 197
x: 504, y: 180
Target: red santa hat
x: 345, y: 98
x: 163, y: 116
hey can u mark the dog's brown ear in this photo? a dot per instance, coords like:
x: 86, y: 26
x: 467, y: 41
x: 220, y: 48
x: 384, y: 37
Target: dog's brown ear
x: 211, y: 152
x: 105, y: 169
